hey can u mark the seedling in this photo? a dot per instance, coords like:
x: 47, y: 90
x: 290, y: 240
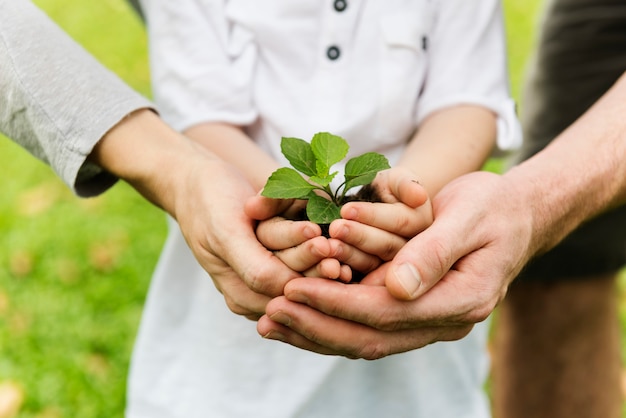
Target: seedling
x: 314, y: 161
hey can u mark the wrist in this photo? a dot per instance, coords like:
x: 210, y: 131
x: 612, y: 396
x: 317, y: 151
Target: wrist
x: 149, y: 155
x: 556, y: 198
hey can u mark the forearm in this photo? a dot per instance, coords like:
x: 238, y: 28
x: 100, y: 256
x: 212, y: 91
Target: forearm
x: 150, y: 156
x: 449, y: 143
x: 581, y: 174
x: 233, y: 145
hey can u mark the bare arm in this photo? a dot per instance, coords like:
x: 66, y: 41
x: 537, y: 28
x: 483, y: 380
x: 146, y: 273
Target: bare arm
x: 580, y: 174
x: 450, y: 142
x: 231, y: 143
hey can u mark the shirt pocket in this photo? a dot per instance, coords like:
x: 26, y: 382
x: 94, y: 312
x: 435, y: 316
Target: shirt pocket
x: 403, y: 68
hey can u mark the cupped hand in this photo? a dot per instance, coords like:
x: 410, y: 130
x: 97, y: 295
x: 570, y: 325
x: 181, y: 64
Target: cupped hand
x: 446, y: 279
x: 206, y: 196
x: 209, y: 208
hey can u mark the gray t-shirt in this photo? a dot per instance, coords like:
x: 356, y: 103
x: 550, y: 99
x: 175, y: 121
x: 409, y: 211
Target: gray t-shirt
x: 56, y: 100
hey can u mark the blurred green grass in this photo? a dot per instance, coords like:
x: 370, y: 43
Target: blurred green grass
x: 74, y: 273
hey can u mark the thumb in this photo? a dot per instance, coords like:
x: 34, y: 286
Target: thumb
x: 261, y: 208
x: 420, y: 264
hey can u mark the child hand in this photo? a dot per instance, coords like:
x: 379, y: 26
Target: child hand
x: 382, y: 228
x: 300, y: 244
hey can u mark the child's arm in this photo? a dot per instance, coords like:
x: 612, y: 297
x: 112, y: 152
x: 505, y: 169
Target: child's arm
x: 231, y: 143
x: 450, y: 142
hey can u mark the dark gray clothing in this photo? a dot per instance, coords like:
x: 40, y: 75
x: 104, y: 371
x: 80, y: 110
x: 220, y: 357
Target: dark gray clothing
x: 56, y: 100
x: 581, y: 53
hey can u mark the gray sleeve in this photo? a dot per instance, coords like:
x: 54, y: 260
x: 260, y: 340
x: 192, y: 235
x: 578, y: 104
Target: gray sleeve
x: 56, y: 100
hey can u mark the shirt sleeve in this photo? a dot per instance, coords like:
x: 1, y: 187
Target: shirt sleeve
x: 201, y: 65
x: 56, y: 100
x: 468, y: 64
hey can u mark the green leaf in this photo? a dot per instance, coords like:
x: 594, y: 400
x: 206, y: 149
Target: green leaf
x: 323, y: 181
x: 321, y: 210
x: 299, y: 154
x: 328, y: 149
x: 287, y: 183
x: 362, y: 170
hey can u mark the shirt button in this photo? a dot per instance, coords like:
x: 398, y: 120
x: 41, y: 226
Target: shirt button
x: 340, y: 5
x: 333, y: 53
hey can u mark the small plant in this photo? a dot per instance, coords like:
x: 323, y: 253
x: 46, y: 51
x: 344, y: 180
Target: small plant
x: 315, y: 160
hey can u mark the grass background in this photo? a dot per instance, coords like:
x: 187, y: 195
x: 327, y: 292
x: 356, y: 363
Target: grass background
x: 74, y: 272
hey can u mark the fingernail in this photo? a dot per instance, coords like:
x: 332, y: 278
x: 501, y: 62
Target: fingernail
x: 409, y: 278
x: 275, y: 335
x: 281, y: 318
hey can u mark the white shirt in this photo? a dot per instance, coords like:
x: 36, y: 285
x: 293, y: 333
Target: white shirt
x: 264, y: 64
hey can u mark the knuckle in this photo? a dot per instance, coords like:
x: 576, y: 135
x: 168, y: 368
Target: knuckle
x: 386, y: 319
x: 260, y: 279
x: 439, y: 260
x: 236, y: 308
x: 389, y: 250
x: 373, y: 351
x: 455, y: 334
x: 406, y: 227
x: 371, y: 264
x: 480, y: 313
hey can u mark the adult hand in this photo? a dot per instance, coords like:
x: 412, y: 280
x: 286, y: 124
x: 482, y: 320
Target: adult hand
x: 206, y: 196
x: 444, y: 280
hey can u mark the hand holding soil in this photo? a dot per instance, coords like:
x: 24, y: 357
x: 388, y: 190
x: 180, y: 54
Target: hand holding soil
x: 367, y: 235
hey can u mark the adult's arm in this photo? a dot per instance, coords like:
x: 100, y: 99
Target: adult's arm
x: 206, y: 197
x: 67, y: 110
x: 487, y: 227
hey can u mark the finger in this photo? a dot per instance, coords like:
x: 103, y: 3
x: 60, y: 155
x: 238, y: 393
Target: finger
x: 329, y: 268
x: 239, y: 298
x: 244, y: 257
x: 306, y: 328
x: 271, y: 330
x: 423, y: 261
x: 396, y: 218
x: 368, y: 239
x: 447, y: 304
x: 400, y: 185
x: 376, y: 277
x: 355, y: 258
x: 260, y: 207
x: 345, y: 274
x: 305, y: 255
x: 278, y: 233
